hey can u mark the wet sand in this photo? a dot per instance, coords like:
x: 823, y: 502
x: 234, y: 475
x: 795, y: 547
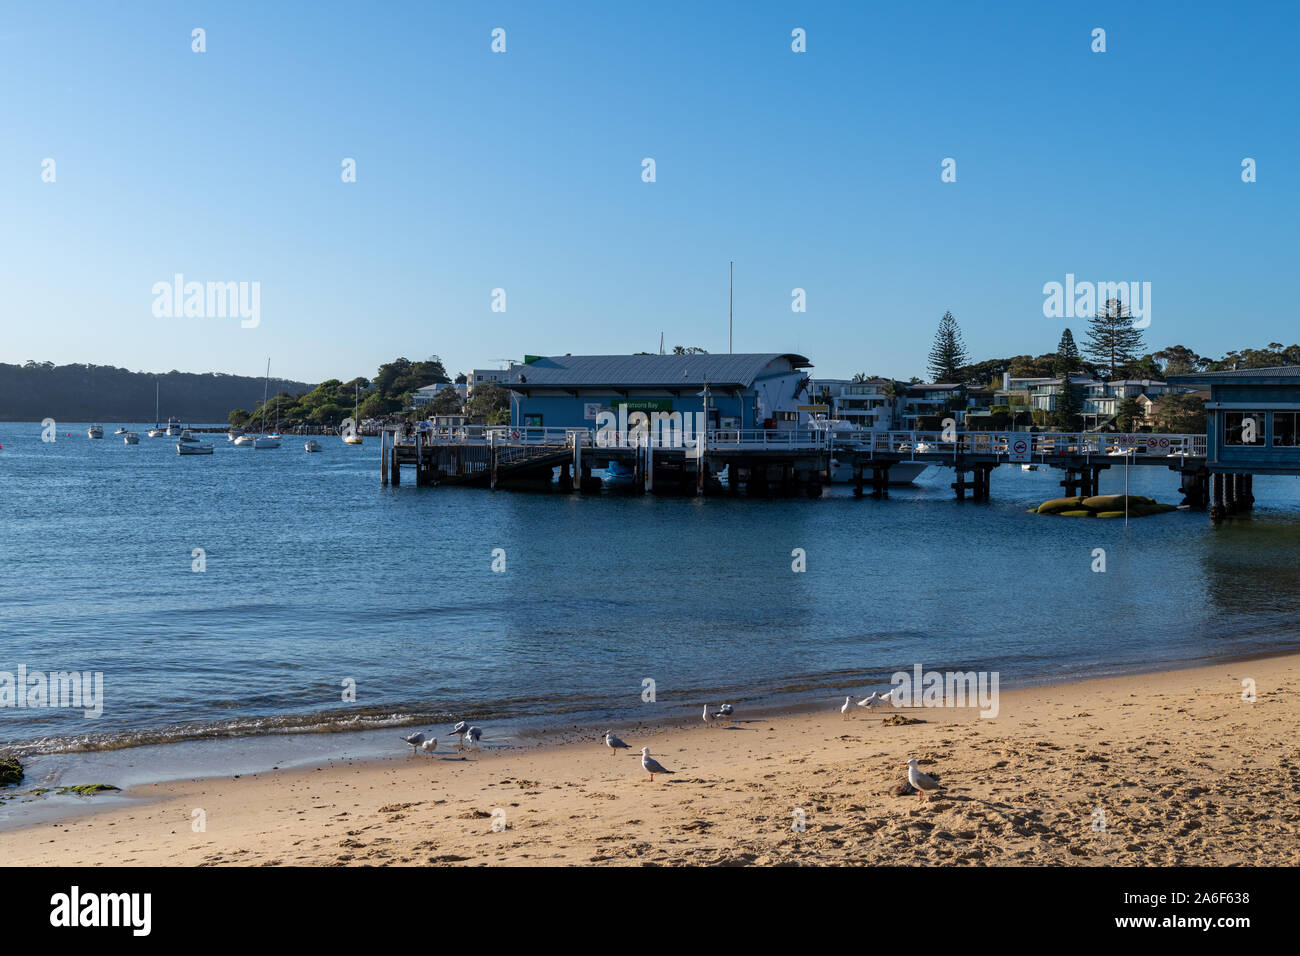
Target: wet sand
x: 1154, y: 769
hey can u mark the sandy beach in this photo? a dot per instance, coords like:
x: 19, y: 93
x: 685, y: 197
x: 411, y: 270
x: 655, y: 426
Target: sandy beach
x: 1170, y: 768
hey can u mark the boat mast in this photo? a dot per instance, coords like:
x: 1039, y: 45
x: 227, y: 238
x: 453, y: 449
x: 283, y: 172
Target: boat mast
x: 731, y: 298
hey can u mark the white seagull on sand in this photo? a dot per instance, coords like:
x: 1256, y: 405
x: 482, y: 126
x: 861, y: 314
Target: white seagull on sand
x: 877, y: 700
x: 651, y: 765
x: 921, y: 782
x: 726, y: 710
x: 708, y: 716
x: 465, y: 732
x: 613, y: 743
x: 848, y: 703
x: 414, y: 740
x: 430, y: 745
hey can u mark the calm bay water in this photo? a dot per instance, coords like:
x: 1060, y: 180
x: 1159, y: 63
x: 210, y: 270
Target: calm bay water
x: 314, y: 575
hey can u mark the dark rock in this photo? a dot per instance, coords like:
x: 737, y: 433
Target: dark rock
x: 11, y: 771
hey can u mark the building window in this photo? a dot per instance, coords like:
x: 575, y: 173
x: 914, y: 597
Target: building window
x: 1285, y: 431
x: 533, y: 420
x: 1236, y: 425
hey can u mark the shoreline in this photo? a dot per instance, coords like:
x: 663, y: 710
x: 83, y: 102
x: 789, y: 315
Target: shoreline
x: 803, y: 695
x: 1172, y: 756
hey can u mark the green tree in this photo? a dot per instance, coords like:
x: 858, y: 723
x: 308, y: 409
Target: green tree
x: 446, y: 402
x: 489, y: 404
x: 238, y: 418
x: 948, y: 354
x: 375, y: 405
x: 1179, y: 360
x: 1180, y: 414
x: 689, y: 350
x: 1068, y: 407
x: 1128, y: 414
x: 1112, y: 340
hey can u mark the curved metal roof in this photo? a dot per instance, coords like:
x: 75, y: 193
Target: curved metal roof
x: 1238, y: 376
x: 649, y: 371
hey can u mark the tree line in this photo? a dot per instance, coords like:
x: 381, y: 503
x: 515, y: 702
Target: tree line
x: 387, y: 396
x: 34, y: 391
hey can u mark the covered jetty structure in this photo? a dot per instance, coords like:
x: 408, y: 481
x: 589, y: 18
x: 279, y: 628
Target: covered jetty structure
x: 1252, y: 428
x: 758, y: 390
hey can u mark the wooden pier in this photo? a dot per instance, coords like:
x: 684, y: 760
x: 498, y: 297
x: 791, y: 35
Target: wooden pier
x: 767, y: 462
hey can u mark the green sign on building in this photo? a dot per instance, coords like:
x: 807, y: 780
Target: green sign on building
x: 642, y: 404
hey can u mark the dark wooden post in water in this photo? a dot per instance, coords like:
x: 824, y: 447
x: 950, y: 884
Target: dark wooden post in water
x: 857, y: 479
x: 1195, y: 488
x: 879, y: 480
x: 492, y: 445
x: 1247, y: 502
x: 383, y: 458
x: 1216, y: 496
x: 961, y: 484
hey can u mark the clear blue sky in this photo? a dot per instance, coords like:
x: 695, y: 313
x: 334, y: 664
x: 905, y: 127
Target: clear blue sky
x: 522, y: 171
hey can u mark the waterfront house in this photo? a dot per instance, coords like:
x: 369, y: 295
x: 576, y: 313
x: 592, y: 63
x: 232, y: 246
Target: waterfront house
x: 749, y: 390
x: 870, y: 404
x: 481, y: 376
x: 927, y: 404
x: 422, y: 396
x: 1103, y: 399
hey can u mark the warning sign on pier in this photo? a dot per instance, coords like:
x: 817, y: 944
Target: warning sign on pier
x: 1019, y: 448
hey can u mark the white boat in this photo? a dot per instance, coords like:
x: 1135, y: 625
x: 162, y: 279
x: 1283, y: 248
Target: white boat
x: 272, y: 440
x: 131, y: 438
x: 157, y: 431
x: 186, y: 436
x: 95, y: 431
x: 900, y: 473
x: 234, y: 433
x: 245, y: 441
x: 120, y: 431
x: 312, y: 445
x: 174, y: 428
x: 194, y: 448
x: 354, y: 437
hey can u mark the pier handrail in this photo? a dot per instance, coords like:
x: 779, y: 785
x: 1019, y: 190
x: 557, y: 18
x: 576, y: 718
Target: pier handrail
x: 917, y: 445
x: 1042, y: 445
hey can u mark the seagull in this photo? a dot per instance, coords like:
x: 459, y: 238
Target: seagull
x: 921, y: 782
x: 461, y: 730
x: 473, y: 734
x: 430, y: 745
x: 414, y: 740
x: 651, y: 765
x: 844, y: 711
x: 613, y: 743
x: 877, y: 699
x: 726, y: 710
x: 708, y: 716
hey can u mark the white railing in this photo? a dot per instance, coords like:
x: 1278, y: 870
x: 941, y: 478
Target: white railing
x: 1043, y: 446
x: 927, y: 445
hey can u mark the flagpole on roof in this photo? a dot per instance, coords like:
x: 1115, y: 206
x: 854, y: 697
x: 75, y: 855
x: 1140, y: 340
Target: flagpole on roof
x: 731, y: 299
